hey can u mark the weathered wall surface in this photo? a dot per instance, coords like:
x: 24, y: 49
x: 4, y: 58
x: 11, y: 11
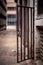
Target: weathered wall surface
x: 11, y: 21
x: 2, y: 15
x: 38, y: 24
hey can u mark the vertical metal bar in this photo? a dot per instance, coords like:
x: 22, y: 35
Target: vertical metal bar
x: 33, y: 25
x: 21, y: 29
x: 21, y: 26
x: 28, y: 32
x: 24, y: 32
x: 31, y: 32
x: 17, y: 37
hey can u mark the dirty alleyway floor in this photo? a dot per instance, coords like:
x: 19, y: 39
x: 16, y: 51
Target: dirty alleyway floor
x: 8, y: 49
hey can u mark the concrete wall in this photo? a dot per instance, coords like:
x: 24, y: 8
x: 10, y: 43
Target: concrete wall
x: 38, y: 24
x: 2, y: 11
x: 10, y: 3
x: 2, y: 15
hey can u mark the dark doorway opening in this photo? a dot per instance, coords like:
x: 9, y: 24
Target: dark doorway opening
x: 40, y: 6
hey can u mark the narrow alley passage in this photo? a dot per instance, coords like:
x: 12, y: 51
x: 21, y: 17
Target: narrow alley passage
x: 8, y: 49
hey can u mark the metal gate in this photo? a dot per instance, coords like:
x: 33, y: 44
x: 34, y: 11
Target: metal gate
x: 25, y: 33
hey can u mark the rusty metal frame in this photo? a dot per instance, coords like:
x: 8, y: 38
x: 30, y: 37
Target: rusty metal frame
x: 32, y: 52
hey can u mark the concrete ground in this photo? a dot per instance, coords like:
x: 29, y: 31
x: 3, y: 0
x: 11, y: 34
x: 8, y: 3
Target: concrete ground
x: 11, y: 27
x: 8, y: 50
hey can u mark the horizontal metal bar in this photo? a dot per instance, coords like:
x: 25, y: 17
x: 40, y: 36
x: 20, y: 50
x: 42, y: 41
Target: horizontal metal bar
x: 24, y: 6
